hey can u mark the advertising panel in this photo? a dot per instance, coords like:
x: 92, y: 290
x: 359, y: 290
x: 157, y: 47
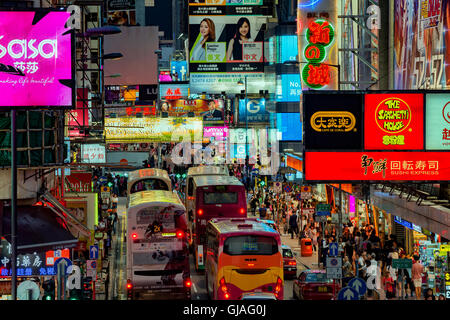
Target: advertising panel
x: 421, y: 45
x: 148, y: 92
x: 333, y: 121
x: 122, y: 12
x: 437, y: 121
x: 219, y: 133
x: 40, y: 45
x: 290, y: 89
x: 209, y: 110
x: 290, y: 126
x: 179, y: 70
x: 79, y: 182
x: 287, y: 48
x: 255, y: 111
x: 80, y: 117
x: 226, y: 41
x: 377, y: 166
x: 93, y: 153
x: 393, y: 121
x: 173, y: 91
x: 137, y: 130
x: 226, y: 44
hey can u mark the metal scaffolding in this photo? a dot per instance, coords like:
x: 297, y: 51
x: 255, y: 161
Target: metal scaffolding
x: 359, y: 51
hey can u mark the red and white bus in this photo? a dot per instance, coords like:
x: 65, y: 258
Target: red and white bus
x: 244, y: 255
x: 214, y: 197
x: 157, y: 247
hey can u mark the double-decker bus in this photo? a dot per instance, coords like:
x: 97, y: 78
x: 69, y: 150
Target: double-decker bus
x: 157, y: 247
x: 197, y: 172
x: 243, y: 255
x: 214, y: 196
x: 147, y: 180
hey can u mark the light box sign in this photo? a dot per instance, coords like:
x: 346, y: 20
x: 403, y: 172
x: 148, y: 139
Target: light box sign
x: 287, y: 48
x: 393, y: 121
x: 256, y: 110
x: 290, y: 126
x: 137, y: 130
x: 437, y: 121
x: 291, y: 88
x: 41, y: 47
x: 210, y: 110
x: 219, y: 133
x: 93, y: 153
x: 180, y: 69
x: 173, y: 91
x: 377, y: 166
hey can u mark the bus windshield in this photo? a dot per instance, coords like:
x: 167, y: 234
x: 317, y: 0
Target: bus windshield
x: 250, y: 245
x: 149, y: 185
x: 220, y: 197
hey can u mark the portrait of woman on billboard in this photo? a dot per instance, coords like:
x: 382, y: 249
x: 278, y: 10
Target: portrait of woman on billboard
x: 207, y: 34
x: 241, y: 35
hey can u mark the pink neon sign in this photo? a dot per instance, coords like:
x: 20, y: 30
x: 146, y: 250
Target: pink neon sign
x: 216, y: 132
x: 44, y: 54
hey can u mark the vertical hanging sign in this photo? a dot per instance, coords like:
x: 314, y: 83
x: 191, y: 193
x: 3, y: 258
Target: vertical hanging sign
x: 319, y: 36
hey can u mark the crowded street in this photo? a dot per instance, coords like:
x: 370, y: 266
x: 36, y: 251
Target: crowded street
x: 188, y: 155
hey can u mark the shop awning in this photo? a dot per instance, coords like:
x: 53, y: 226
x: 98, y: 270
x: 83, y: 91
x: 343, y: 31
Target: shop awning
x: 63, y: 213
x: 38, y: 229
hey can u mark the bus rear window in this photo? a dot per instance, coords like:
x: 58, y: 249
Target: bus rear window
x: 149, y: 185
x: 220, y: 197
x: 250, y: 245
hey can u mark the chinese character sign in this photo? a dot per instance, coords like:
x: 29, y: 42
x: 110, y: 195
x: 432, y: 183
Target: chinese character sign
x: 393, y: 122
x: 41, y: 47
x: 438, y: 121
x: 377, y: 166
x: 93, y: 153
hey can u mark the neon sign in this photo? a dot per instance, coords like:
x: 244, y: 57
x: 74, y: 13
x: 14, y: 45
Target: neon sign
x: 319, y: 36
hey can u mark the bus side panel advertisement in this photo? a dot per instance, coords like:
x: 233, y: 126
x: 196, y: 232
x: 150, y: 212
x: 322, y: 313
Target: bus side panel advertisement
x: 377, y: 166
x: 39, y: 46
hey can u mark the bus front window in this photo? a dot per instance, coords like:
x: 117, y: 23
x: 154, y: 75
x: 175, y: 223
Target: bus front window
x: 149, y: 185
x: 220, y: 197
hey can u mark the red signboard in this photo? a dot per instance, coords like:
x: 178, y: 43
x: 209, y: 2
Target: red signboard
x: 79, y: 182
x: 393, y: 121
x: 377, y: 166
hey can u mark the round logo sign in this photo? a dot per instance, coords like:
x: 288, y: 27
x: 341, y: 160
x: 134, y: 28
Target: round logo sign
x: 446, y: 112
x: 393, y: 115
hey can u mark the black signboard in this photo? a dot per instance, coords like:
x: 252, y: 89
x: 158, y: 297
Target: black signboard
x: 333, y: 121
x: 148, y: 92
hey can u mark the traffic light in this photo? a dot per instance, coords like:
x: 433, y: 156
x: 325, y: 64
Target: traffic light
x: 75, y: 294
x: 110, y: 184
x: 183, y: 175
x: 49, y: 290
x: 86, y: 290
x: 262, y: 183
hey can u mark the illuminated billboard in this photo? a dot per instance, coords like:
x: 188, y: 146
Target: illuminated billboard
x: 40, y: 45
x: 210, y: 110
x: 377, y: 166
x: 255, y: 111
x: 137, y: 130
x: 438, y: 121
x: 421, y: 44
x: 333, y: 121
x: 393, y: 121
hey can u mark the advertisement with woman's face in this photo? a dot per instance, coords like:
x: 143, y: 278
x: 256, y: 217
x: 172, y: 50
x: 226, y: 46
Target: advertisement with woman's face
x: 223, y: 39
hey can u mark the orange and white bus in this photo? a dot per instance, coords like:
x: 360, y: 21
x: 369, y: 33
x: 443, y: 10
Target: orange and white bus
x: 214, y: 197
x: 243, y: 255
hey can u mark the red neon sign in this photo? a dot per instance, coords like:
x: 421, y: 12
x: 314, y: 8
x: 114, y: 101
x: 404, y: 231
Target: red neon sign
x: 377, y: 166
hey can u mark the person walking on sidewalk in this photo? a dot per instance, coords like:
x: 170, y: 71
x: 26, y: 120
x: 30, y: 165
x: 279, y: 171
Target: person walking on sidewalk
x: 416, y: 276
x: 293, y: 225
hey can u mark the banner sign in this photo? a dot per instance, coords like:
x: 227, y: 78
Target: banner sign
x: 40, y: 45
x: 393, y: 121
x: 377, y: 166
x: 93, y: 153
x: 137, y: 130
x: 437, y: 121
